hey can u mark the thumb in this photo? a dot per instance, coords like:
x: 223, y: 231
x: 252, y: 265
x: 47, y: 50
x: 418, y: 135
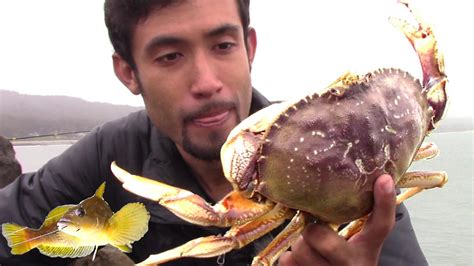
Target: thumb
x: 382, y: 219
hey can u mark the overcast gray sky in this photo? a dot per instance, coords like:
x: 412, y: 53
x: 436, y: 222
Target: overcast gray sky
x: 60, y: 47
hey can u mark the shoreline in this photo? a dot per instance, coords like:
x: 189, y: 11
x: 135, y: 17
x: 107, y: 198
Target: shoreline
x: 43, y: 142
x: 70, y: 141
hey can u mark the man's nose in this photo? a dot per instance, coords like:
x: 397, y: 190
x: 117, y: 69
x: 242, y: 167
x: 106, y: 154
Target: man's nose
x: 205, y: 77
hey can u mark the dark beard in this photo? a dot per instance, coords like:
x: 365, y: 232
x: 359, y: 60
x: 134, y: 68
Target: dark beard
x: 206, y: 152
x: 210, y: 150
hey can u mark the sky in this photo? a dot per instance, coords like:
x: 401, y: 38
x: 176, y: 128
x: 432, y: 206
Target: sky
x: 61, y: 47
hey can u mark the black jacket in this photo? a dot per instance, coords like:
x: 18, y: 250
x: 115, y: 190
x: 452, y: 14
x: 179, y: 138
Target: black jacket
x: 140, y: 148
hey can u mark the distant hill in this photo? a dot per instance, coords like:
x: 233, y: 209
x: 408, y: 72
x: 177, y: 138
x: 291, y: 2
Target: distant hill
x: 31, y: 115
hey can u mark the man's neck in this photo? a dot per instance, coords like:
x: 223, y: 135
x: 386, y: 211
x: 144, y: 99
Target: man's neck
x: 209, y: 175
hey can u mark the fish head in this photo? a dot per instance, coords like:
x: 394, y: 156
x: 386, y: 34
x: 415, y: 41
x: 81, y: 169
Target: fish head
x: 86, y: 219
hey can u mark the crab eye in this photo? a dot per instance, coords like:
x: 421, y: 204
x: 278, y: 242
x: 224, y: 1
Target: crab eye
x: 334, y: 91
x: 80, y: 212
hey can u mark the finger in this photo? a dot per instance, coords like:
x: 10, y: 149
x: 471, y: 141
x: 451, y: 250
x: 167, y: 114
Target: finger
x: 325, y: 241
x: 286, y: 259
x: 303, y: 254
x: 382, y: 219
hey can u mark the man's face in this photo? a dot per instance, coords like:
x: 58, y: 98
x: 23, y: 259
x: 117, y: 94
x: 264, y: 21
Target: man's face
x: 193, y: 71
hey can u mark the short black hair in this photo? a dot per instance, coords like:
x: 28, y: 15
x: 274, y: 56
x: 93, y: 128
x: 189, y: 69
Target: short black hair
x: 121, y: 17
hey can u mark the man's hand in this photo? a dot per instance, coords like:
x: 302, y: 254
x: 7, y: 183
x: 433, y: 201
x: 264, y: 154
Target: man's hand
x: 320, y: 245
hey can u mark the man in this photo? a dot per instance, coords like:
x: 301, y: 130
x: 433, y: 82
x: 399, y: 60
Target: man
x: 191, y: 61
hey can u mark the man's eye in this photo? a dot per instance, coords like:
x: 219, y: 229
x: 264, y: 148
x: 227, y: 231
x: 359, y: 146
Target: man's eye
x: 169, y: 58
x: 225, y: 46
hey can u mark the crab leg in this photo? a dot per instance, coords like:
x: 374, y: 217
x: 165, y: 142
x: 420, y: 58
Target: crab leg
x: 282, y: 241
x: 353, y: 227
x: 432, y: 63
x: 237, y: 237
x: 416, y: 182
x: 232, y: 209
x: 424, y: 42
x: 426, y: 151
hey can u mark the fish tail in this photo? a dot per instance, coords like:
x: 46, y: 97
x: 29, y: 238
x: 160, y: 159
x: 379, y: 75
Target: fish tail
x: 128, y: 225
x: 19, y: 238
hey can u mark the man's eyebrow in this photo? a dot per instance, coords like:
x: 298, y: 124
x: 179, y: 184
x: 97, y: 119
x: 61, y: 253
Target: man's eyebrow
x: 223, y: 29
x: 161, y: 41
x: 173, y: 40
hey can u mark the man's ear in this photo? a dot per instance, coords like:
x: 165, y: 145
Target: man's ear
x: 251, y: 44
x: 125, y: 74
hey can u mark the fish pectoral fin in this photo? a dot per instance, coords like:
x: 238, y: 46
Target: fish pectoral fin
x: 128, y: 225
x: 66, y: 252
x: 127, y: 248
x: 55, y: 214
x: 17, y: 238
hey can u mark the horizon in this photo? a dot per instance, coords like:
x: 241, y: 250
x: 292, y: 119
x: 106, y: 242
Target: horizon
x: 453, y: 124
x: 134, y: 106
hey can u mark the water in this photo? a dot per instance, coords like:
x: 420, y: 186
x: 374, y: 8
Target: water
x: 32, y: 158
x: 443, y: 218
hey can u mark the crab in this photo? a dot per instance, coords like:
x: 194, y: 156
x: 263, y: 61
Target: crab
x: 317, y: 158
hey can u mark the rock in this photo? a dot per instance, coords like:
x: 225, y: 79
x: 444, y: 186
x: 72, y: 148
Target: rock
x: 10, y: 168
x: 106, y: 256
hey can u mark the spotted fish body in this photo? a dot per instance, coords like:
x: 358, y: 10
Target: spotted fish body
x: 325, y: 152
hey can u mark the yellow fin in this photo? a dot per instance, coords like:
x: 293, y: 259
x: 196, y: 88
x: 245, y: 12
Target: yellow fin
x: 55, y: 214
x: 100, y: 191
x: 128, y: 225
x: 66, y: 252
x: 17, y: 238
x: 127, y: 248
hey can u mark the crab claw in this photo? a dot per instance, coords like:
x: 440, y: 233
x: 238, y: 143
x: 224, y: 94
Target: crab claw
x: 232, y: 209
x: 145, y: 187
x: 425, y: 44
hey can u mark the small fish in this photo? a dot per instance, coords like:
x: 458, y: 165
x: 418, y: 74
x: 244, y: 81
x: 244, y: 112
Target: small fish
x: 71, y: 231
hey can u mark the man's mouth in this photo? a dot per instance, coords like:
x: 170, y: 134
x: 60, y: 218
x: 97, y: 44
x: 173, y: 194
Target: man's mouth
x: 213, y: 118
x: 211, y: 115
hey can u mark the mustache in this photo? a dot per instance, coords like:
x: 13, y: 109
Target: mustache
x: 204, y: 109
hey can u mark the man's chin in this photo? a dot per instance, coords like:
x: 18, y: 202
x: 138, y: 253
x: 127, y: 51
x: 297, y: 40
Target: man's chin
x: 202, y: 153
x: 207, y: 148
x: 205, y: 144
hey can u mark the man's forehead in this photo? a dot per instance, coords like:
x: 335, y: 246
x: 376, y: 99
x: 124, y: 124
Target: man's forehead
x: 190, y: 17
x: 194, y: 11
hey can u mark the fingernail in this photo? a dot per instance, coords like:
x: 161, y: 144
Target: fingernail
x: 388, y: 187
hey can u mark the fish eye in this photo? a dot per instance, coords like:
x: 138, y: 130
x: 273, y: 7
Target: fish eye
x: 80, y: 212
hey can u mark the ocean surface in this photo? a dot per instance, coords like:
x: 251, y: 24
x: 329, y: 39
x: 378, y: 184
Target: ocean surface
x: 443, y: 218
